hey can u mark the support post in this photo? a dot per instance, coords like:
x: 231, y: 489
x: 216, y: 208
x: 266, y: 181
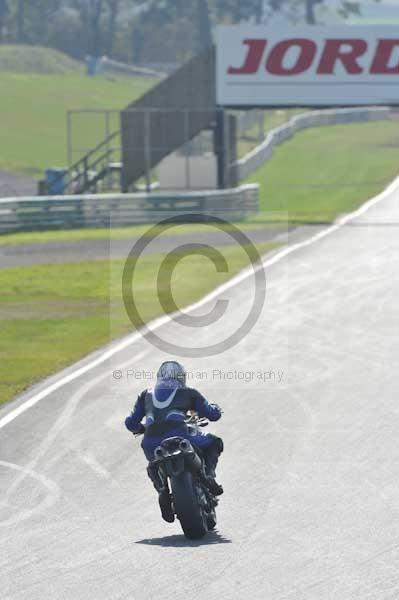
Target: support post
x: 147, y: 149
x: 220, y: 146
x: 69, y: 137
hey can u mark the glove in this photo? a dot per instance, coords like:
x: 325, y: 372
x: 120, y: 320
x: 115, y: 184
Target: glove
x: 217, y: 407
x: 140, y: 430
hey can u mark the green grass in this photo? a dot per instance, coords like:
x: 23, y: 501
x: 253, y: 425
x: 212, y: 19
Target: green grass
x: 36, y: 59
x: 325, y: 171
x: 50, y: 316
x: 118, y: 233
x: 34, y: 109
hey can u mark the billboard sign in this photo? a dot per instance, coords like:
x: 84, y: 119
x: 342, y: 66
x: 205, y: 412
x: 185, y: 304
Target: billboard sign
x: 308, y: 66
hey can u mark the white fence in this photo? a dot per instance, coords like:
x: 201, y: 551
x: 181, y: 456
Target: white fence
x: 262, y: 153
x: 118, y: 210
x: 115, y: 66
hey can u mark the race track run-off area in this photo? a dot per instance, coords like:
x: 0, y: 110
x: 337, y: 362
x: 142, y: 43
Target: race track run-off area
x: 310, y: 466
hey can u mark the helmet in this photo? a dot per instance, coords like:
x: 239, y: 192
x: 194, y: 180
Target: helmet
x: 172, y: 370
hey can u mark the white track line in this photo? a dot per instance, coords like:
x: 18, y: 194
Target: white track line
x: 58, y: 426
x: 49, y: 500
x: 157, y: 323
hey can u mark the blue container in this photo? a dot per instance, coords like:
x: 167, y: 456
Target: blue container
x: 55, y: 181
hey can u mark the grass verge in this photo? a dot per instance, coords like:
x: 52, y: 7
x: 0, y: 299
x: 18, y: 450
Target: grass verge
x: 118, y: 233
x: 325, y: 171
x: 50, y: 316
x: 34, y: 108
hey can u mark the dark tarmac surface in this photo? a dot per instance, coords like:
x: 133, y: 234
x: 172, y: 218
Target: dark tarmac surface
x: 12, y: 185
x: 19, y: 255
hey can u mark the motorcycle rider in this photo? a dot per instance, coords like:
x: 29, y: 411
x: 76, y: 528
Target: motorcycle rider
x: 165, y: 410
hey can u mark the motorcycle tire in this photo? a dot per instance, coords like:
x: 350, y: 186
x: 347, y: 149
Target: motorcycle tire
x: 187, y: 507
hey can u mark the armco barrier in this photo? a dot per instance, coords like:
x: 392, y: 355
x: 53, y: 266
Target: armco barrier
x: 262, y: 153
x: 111, y: 210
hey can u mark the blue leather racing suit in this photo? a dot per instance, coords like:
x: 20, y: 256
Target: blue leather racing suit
x: 165, y: 410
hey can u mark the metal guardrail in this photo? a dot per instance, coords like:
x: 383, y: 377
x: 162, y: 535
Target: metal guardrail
x: 107, y: 64
x: 118, y: 210
x: 262, y: 153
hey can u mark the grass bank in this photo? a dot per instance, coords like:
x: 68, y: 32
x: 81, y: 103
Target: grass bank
x: 34, y: 101
x: 325, y: 171
x: 118, y: 233
x: 36, y: 59
x: 52, y: 316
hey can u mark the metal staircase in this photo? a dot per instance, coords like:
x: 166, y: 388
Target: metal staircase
x: 98, y: 170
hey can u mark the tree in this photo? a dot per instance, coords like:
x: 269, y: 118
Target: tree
x: 259, y: 11
x: 4, y: 13
x: 165, y: 30
x: 21, y: 6
x: 309, y: 8
x: 91, y: 13
x: 28, y: 22
x: 160, y: 14
x: 204, y: 26
x: 114, y: 7
x: 236, y: 11
x: 39, y: 20
x: 345, y: 9
x: 100, y: 21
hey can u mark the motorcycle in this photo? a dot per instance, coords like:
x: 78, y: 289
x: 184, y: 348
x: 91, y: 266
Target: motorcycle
x: 181, y: 465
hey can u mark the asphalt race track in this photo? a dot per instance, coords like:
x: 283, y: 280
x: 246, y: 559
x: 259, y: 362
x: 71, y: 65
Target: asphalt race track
x: 16, y: 185
x: 310, y: 470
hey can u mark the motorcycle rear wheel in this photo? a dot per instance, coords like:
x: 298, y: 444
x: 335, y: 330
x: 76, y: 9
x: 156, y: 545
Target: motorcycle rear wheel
x: 188, y: 510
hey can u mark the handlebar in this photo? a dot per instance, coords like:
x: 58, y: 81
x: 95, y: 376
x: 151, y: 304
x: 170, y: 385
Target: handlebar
x: 193, y: 420
x: 197, y: 421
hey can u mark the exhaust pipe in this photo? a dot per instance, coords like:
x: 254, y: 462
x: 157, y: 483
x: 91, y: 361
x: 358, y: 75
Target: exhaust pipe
x: 158, y: 453
x: 192, y: 459
x: 185, y: 446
